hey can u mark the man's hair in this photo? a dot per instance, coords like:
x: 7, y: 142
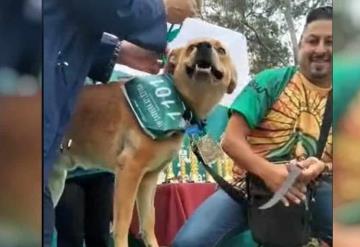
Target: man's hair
x: 321, y: 13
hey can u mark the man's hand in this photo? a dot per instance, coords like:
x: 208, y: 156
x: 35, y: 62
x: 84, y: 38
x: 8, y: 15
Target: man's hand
x: 238, y: 172
x: 275, y: 179
x: 178, y: 10
x: 138, y: 58
x: 235, y: 144
x: 312, y: 169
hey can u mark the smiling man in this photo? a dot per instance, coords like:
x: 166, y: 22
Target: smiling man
x: 315, y: 51
x: 276, y: 119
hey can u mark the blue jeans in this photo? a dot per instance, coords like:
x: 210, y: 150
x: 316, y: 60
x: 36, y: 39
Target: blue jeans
x: 220, y: 217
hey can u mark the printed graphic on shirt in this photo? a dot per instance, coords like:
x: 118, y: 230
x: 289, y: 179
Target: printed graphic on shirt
x: 290, y: 126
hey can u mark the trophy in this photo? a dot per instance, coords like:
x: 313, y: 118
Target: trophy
x: 194, y: 168
x: 182, y: 163
x: 209, y: 178
x: 220, y: 165
x: 169, y: 175
x: 228, y: 164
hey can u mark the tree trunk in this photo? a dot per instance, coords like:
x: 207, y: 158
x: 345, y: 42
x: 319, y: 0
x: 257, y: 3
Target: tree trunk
x: 290, y: 23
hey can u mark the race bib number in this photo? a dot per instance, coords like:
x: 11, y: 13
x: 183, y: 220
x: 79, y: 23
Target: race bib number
x: 156, y: 104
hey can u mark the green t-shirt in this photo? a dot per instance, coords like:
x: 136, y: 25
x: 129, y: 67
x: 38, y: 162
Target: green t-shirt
x: 284, y: 111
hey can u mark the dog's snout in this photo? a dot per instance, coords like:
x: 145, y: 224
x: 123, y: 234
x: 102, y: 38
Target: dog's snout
x: 204, y: 46
x: 204, y: 51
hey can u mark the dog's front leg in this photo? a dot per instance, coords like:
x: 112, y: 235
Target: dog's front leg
x: 126, y: 186
x: 146, y: 210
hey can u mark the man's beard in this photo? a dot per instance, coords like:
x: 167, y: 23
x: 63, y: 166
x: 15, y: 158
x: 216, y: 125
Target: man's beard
x: 319, y: 72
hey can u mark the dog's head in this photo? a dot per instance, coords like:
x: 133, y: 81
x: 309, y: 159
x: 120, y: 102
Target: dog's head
x: 202, y: 69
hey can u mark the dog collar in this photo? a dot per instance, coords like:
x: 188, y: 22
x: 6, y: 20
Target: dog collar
x: 195, y: 126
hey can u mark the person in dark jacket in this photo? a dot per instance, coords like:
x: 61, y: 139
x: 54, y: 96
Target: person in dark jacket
x: 72, y: 32
x: 85, y: 209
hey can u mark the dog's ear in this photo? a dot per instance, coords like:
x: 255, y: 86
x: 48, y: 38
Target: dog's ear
x: 173, y: 59
x: 233, y: 80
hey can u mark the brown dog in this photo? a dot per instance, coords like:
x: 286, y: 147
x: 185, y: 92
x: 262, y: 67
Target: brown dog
x: 106, y: 134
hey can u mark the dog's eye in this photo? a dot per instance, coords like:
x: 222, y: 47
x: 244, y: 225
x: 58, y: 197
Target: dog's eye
x: 221, y: 50
x: 191, y: 47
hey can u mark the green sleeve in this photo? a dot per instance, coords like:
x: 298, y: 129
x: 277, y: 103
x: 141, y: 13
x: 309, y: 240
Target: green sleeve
x: 256, y: 99
x: 346, y: 85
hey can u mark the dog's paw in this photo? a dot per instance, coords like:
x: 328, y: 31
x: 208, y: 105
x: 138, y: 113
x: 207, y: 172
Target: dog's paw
x: 149, y: 240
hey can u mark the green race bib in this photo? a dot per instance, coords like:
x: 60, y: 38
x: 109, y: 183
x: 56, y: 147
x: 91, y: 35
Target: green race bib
x: 156, y: 104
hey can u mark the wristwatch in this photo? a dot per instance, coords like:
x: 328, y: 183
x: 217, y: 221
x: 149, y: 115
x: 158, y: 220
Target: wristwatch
x: 105, y: 58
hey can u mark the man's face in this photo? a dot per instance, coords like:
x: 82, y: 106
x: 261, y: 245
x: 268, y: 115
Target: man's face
x: 315, y: 51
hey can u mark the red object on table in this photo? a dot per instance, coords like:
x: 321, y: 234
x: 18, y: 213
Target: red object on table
x: 174, y: 204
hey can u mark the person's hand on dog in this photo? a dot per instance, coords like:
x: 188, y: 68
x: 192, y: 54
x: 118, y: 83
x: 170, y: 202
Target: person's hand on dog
x: 178, y: 10
x: 276, y: 178
x: 312, y: 169
x: 138, y: 58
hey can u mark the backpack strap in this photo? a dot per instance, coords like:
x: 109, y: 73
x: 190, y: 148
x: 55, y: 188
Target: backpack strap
x: 325, y: 126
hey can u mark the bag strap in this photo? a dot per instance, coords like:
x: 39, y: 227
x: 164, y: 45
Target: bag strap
x: 325, y: 126
x: 236, y: 195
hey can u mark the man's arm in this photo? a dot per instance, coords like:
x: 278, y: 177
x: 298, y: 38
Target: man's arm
x: 141, y: 22
x: 236, y: 146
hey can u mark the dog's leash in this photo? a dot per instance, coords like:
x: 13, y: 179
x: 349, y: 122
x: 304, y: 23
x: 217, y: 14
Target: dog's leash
x: 171, y: 34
